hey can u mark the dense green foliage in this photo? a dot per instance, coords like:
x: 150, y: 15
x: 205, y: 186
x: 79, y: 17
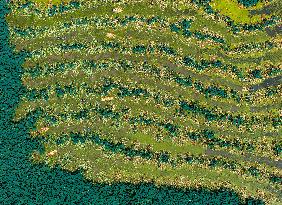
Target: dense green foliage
x: 135, y: 105
x: 25, y: 183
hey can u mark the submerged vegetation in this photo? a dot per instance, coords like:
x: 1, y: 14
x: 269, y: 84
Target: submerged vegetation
x: 182, y: 93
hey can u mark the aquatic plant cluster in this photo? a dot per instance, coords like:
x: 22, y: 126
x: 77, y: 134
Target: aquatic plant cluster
x: 174, y: 93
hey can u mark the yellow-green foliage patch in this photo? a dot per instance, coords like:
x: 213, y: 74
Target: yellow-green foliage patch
x: 232, y: 9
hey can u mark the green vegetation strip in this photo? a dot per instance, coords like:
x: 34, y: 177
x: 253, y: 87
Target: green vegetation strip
x: 193, y: 48
x: 74, y: 103
x: 95, y: 162
x: 119, y: 75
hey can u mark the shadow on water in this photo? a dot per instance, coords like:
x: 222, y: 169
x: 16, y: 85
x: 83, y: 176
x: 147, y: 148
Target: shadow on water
x: 22, y: 182
x: 274, y: 8
x: 247, y: 157
x: 277, y: 30
x: 265, y: 10
x: 275, y: 81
